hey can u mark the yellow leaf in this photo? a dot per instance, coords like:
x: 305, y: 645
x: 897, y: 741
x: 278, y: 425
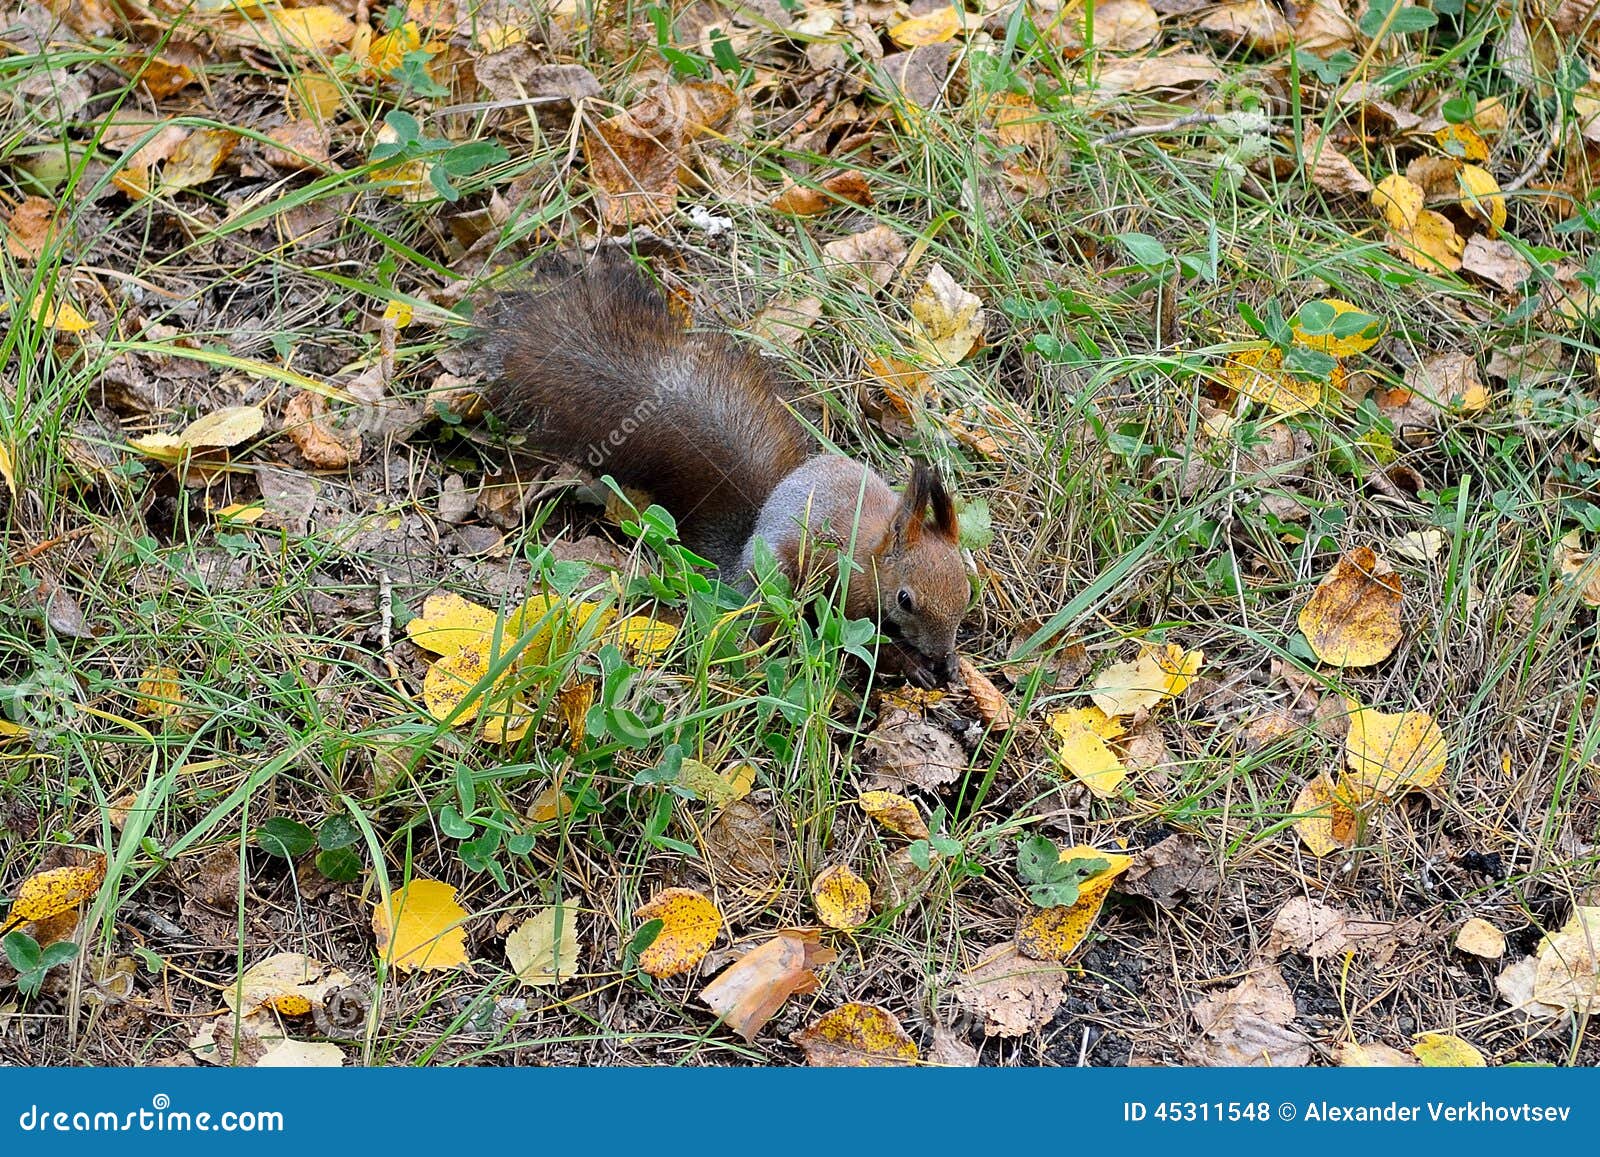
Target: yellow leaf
x: 1462, y: 142
x: 543, y: 950
x: 223, y: 428
x: 1259, y: 375
x: 63, y: 317
x: 241, y: 513
x: 858, y: 1036
x: 1326, y: 822
x: 1353, y: 617
x: 1478, y: 937
x: 196, y: 158
x: 549, y: 804
x: 1056, y: 933
x: 572, y: 704
x: 388, y: 52
x: 644, y: 637
x: 158, y: 692
x: 895, y: 812
x: 689, y: 926
x: 741, y: 779
x: 1399, y: 201
x: 450, y: 679
x: 842, y: 898
x: 48, y: 894
x: 492, y: 38
x: 318, y: 28
x: 1160, y: 673
x: 1432, y: 243
x: 1393, y: 754
x: 1083, y: 751
x: 317, y: 98
x: 7, y: 470
x: 1481, y: 196
x: 449, y: 622
x: 1437, y: 1050
x: 1340, y: 347
x: 950, y: 318
x: 934, y: 27
x: 421, y: 928
x: 399, y: 312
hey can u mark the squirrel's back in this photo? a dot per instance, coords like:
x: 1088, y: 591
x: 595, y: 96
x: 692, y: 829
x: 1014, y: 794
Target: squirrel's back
x: 592, y: 367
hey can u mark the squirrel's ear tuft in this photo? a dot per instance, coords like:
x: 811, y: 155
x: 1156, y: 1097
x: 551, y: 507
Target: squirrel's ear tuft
x: 925, y: 502
x: 908, y: 517
x: 942, y: 508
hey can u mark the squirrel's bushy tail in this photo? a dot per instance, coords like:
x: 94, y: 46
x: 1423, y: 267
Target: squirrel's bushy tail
x: 591, y: 366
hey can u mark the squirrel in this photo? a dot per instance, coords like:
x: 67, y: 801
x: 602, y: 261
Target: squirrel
x: 593, y: 369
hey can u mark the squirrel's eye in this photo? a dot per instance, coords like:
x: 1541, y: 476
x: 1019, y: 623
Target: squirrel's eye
x: 907, y: 603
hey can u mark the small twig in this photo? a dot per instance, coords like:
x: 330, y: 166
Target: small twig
x: 49, y: 544
x: 1185, y: 122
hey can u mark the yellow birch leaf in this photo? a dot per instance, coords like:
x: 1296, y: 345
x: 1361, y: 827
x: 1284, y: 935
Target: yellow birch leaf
x: 934, y: 27
x: 842, y: 898
x: 223, y: 428
x: 63, y: 318
x: 158, y: 692
x: 689, y: 926
x: 399, y: 312
x: 1326, y: 820
x: 544, y: 949
x: 196, y: 158
x: 449, y: 622
x: 1353, y: 617
x: 857, y: 1036
x: 1462, y: 142
x: 1056, y: 933
x: 572, y: 704
x: 1481, y: 196
x: 1083, y: 751
x: 8, y: 471
x: 741, y: 779
x: 388, y: 52
x: 1437, y: 1050
x: 1259, y: 375
x: 1399, y: 200
x: 644, y: 637
x: 421, y: 927
x: 1391, y: 754
x: 1160, y: 672
x: 48, y: 894
x: 451, y: 678
x: 1432, y: 243
x: 1567, y: 972
x: 895, y: 812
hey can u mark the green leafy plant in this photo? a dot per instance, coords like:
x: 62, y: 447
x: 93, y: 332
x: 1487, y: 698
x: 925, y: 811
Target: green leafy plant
x: 32, y: 962
x: 1054, y: 882
x: 448, y: 161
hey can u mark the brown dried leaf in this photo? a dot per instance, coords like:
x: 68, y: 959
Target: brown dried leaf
x: 1013, y: 994
x: 1249, y: 1024
x: 906, y: 751
x: 323, y: 447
